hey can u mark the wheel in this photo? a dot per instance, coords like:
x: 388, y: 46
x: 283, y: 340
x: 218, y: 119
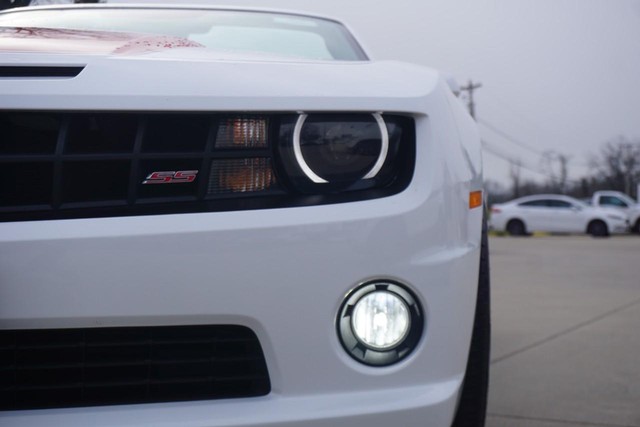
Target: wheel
x: 472, y: 406
x: 636, y: 227
x: 598, y: 228
x: 515, y: 227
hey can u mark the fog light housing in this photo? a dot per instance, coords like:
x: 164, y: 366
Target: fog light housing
x: 380, y: 323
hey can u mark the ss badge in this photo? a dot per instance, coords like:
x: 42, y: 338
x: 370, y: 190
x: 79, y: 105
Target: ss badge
x: 171, y: 177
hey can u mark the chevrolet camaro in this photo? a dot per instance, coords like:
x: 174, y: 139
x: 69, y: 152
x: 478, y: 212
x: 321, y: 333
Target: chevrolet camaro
x: 233, y: 217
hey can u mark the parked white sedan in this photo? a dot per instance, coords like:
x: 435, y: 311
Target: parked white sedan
x: 555, y: 213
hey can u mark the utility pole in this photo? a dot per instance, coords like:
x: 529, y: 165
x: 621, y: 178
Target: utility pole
x: 470, y: 87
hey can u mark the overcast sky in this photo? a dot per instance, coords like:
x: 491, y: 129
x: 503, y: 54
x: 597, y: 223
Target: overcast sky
x: 558, y: 75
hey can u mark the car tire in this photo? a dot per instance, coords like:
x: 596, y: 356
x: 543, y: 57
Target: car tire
x: 472, y: 404
x: 516, y: 227
x: 598, y: 228
x: 636, y: 227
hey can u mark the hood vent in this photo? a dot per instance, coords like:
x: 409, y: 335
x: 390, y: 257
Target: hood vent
x: 39, y: 71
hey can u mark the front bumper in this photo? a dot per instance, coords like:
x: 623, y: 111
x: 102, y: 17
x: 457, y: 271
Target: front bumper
x: 282, y: 273
x: 619, y: 226
x: 407, y: 406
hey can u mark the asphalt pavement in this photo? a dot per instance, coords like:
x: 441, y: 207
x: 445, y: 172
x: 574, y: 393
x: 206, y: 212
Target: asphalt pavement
x: 566, y: 332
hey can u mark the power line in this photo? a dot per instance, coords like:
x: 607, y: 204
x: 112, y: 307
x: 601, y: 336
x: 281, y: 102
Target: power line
x: 518, y: 162
x: 542, y: 154
x: 524, y: 118
x: 509, y: 137
x: 491, y: 149
x: 519, y: 143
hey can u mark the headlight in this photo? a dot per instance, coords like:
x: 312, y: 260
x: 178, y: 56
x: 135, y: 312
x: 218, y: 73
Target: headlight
x: 324, y: 153
x: 329, y: 149
x: 380, y: 323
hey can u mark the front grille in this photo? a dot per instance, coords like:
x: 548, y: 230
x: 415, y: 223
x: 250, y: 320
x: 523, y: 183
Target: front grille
x: 62, y: 368
x: 60, y: 165
x: 74, y: 165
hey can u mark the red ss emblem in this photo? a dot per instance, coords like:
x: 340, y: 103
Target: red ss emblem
x: 171, y: 177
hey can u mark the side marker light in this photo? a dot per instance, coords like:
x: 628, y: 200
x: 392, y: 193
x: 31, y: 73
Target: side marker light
x: 475, y: 199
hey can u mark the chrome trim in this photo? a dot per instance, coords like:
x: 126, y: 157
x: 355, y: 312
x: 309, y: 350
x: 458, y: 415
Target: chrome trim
x: 298, y: 153
x: 383, y: 150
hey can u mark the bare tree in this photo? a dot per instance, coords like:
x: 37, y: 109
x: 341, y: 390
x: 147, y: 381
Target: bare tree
x: 556, y: 167
x: 618, y: 165
x: 515, y: 173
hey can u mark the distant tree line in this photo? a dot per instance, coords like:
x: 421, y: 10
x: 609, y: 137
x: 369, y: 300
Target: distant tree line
x: 615, y: 167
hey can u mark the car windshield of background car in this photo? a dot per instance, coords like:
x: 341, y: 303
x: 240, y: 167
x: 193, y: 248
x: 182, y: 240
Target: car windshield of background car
x: 236, y: 31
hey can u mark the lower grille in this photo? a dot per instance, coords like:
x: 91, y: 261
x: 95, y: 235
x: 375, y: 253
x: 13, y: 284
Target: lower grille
x: 61, y: 368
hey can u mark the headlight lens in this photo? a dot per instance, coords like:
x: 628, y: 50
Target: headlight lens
x: 330, y: 149
x: 325, y: 153
x: 380, y: 323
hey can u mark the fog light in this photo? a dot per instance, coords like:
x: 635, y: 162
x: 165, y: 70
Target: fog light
x: 380, y: 320
x: 380, y: 323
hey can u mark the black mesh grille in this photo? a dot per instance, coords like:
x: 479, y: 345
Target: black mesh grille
x: 61, y: 368
x: 72, y: 165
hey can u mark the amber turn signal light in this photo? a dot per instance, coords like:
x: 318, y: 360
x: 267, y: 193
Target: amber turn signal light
x: 475, y: 199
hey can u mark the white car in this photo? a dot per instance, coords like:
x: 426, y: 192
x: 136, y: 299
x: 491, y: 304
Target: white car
x: 218, y: 217
x: 620, y: 202
x: 555, y: 213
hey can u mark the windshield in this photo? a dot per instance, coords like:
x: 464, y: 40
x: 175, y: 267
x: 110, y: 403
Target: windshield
x: 280, y: 34
x: 628, y: 200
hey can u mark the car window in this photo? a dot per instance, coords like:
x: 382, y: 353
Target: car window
x: 271, y: 33
x: 559, y: 204
x: 267, y: 40
x: 613, y: 201
x: 534, y: 203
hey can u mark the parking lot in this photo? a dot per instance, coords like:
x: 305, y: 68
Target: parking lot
x: 566, y: 332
